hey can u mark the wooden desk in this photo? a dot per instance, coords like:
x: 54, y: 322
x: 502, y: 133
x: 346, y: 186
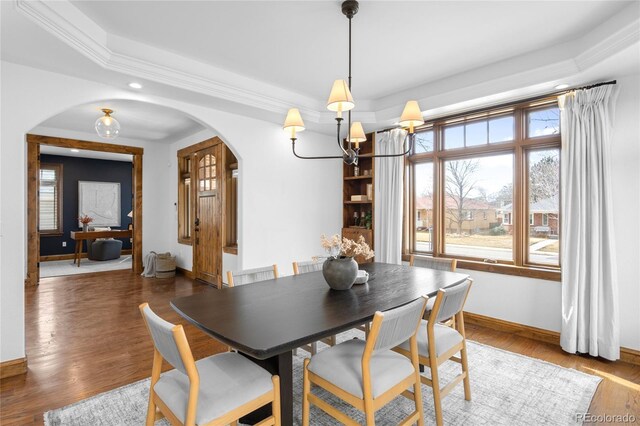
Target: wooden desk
x: 79, y: 236
x: 267, y: 320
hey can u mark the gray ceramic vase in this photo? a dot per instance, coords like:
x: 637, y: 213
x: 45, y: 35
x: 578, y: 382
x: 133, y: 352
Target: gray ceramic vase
x: 340, y: 273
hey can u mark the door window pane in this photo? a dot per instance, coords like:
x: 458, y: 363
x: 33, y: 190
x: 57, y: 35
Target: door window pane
x: 476, y: 188
x: 423, y: 207
x: 454, y: 137
x: 544, y: 206
x: 543, y: 122
x: 501, y: 129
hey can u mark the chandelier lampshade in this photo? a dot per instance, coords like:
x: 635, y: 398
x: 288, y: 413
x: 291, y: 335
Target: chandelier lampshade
x: 411, y: 116
x: 106, y: 126
x: 293, y: 123
x: 356, y: 134
x: 340, y: 98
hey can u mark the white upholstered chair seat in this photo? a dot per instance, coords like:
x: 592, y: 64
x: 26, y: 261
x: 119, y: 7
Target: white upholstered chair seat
x: 342, y: 366
x: 227, y: 381
x: 446, y: 338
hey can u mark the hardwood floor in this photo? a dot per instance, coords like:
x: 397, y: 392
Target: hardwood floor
x: 85, y: 336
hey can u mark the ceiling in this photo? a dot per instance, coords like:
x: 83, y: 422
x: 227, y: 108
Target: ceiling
x: 260, y: 58
x: 138, y: 120
x: 83, y: 153
x: 302, y: 45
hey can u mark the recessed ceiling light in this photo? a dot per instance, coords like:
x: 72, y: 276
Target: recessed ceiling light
x: 561, y: 86
x: 75, y: 150
x: 135, y: 85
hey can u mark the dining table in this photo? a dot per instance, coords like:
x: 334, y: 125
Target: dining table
x: 266, y: 321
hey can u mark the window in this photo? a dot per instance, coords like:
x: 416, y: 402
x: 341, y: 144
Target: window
x: 50, y: 199
x: 423, y: 184
x: 184, y: 200
x: 469, y: 180
x: 544, y: 206
x: 473, y: 184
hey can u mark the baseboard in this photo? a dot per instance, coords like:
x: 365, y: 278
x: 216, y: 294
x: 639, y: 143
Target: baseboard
x: 185, y: 272
x: 630, y: 356
x: 12, y: 368
x: 70, y: 256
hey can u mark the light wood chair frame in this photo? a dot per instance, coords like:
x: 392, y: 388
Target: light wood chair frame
x: 452, y: 263
x: 157, y: 409
x: 312, y: 348
x: 230, y: 275
x: 368, y: 404
x: 433, y: 361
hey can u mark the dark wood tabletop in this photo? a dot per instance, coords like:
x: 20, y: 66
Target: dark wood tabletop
x: 273, y: 317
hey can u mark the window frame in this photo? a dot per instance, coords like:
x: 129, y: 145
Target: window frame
x: 58, y: 231
x: 519, y: 148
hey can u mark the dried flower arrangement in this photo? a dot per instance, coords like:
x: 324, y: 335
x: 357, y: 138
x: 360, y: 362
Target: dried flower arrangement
x: 85, y: 220
x: 344, y: 247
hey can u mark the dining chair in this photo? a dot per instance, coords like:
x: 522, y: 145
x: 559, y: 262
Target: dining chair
x: 216, y: 390
x: 441, y: 264
x: 304, y: 267
x: 368, y: 374
x: 254, y: 275
x: 438, y: 343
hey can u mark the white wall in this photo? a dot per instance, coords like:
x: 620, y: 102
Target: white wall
x: 537, y: 302
x: 284, y: 203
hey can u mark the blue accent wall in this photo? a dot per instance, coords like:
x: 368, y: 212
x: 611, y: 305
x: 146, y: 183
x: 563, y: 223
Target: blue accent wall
x: 75, y: 169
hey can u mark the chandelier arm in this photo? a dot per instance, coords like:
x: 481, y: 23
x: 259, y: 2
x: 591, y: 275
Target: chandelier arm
x: 410, y: 136
x: 340, y: 143
x: 293, y: 148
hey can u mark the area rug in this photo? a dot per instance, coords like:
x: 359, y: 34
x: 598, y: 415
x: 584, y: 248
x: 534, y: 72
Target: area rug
x: 506, y: 389
x: 57, y: 268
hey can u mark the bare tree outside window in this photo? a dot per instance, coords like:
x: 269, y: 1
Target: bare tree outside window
x: 460, y: 182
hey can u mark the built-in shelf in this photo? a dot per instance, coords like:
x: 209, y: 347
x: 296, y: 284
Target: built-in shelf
x: 358, y: 202
x: 357, y: 177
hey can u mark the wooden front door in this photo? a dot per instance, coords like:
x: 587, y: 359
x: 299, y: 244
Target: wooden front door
x: 208, y: 216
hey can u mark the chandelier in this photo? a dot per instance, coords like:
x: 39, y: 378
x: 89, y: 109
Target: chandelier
x: 340, y: 100
x: 106, y: 126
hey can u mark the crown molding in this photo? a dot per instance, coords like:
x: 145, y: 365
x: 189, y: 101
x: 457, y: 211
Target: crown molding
x: 63, y: 20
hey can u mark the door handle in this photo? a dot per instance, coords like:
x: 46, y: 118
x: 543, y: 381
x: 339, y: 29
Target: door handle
x: 197, y: 221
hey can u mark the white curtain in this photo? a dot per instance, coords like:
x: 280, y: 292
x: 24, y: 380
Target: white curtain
x: 388, y: 197
x: 590, y: 315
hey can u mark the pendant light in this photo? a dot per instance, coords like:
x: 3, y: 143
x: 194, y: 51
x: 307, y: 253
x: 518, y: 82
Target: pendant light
x: 340, y: 100
x: 106, y: 126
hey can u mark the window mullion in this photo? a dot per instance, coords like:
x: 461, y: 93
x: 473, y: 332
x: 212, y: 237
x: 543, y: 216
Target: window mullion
x: 520, y: 211
x: 438, y: 198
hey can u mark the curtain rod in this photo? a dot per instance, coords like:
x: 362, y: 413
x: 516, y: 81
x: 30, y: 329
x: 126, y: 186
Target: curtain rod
x: 605, y: 83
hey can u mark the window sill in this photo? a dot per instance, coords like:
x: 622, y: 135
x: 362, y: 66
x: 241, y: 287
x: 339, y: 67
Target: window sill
x: 550, y: 274
x: 230, y: 249
x: 51, y: 234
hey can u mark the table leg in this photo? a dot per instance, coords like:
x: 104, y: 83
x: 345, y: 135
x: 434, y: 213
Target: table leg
x: 75, y: 252
x: 79, y: 251
x: 282, y: 365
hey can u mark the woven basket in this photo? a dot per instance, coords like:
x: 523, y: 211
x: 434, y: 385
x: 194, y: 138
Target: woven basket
x: 165, y: 265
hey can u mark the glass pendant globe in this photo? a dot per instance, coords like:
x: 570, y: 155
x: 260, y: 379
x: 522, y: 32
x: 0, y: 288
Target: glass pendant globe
x: 107, y: 127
